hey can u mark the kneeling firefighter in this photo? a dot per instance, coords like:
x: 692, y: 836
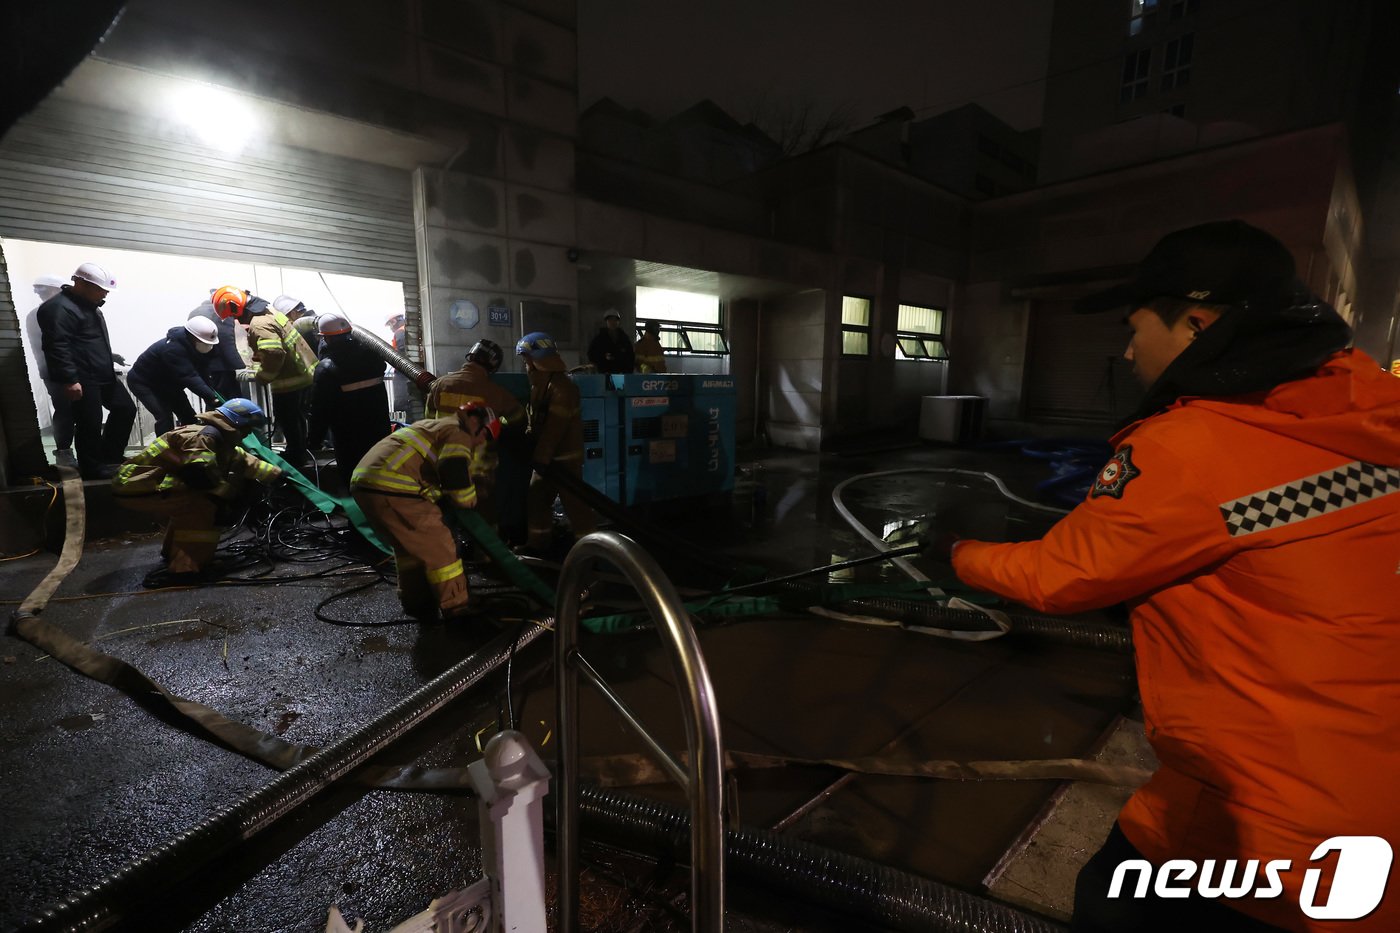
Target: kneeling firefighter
x: 187, y: 473
x: 403, y: 484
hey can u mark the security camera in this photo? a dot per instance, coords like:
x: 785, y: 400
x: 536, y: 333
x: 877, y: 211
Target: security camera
x: 573, y: 255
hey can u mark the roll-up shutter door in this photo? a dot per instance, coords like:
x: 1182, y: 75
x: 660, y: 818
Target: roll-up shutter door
x: 75, y: 173
x: 1075, y: 368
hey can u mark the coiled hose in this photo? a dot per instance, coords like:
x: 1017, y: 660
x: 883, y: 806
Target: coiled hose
x: 113, y: 899
x: 846, y: 883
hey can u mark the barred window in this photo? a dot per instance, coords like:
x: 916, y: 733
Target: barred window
x: 691, y: 323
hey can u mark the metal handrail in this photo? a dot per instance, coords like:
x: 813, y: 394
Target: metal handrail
x: 705, y: 780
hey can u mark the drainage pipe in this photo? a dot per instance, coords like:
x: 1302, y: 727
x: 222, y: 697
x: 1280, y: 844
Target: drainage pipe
x: 114, y: 898
x: 854, y: 886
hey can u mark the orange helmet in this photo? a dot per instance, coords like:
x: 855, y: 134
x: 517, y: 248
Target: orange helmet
x: 229, y: 301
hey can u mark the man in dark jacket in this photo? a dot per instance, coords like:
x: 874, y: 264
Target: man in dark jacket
x: 611, y: 351
x: 176, y: 362
x: 225, y: 362
x: 348, y: 397
x: 78, y: 352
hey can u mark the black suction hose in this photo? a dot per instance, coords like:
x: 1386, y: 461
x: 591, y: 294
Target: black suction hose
x: 415, y: 373
x: 854, y: 886
x: 1045, y: 628
x: 114, y: 898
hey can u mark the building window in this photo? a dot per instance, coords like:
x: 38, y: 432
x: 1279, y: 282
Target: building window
x: 1176, y: 67
x: 919, y: 335
x: 1140, y: 14
x: 1135, y: 65
x: 855, y: 326
x: 691, y: 324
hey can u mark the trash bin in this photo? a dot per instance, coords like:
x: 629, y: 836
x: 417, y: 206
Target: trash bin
x: 953, y: 419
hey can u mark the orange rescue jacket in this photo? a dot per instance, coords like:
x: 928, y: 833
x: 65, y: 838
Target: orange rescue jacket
x: 1256, y: 541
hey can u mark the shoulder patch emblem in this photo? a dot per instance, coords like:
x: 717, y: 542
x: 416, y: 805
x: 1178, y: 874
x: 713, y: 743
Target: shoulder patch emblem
x: 1115, y: 475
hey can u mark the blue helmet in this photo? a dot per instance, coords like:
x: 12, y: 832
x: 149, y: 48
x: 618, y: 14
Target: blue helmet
x: 536, y: 346
x: 242, y: 413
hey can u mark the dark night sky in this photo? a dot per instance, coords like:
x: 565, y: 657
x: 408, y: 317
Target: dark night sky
x: 870, y: 57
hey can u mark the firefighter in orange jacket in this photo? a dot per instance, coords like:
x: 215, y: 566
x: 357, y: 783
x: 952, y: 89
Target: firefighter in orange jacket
x: 401, y: 485
x: 1250, y: 520
x: 283, y: 361
x: 472, y: 385
x: 186, y: 472
x: 556, y: 426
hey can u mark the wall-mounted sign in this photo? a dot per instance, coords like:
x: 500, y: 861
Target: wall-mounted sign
x: 464, y: 314
x: 498, y: 316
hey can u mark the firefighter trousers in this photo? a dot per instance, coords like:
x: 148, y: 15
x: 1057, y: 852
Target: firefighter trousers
x: 539, y: 507
x: 191, y: 536
x: 425, y: 553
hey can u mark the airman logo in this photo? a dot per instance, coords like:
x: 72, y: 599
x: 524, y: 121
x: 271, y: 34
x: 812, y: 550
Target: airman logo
x: 1115, y: 475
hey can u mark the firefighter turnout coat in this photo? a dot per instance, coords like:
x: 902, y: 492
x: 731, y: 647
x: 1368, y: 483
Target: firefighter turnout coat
x: 283, y: 360
x: 399, y: 485
x: 180, y: 474
x: 1255, y: 540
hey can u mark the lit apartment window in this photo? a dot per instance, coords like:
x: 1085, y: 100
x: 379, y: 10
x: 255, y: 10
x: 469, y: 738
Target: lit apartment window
x: 1140, y: 13
x: 1176, y: 67
x: 855, y: 326
x: 1135, y: 65
x: 690, y: 322
x: 920, y: 334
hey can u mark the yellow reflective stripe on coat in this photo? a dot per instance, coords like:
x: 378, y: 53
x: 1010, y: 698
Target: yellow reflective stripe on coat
x: 377, y: 478
x: 447, y: 403
x: 443, y: 574
x: 464, y: 498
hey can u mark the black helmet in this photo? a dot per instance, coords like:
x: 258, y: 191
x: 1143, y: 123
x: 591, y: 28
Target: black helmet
x: 486, y: 353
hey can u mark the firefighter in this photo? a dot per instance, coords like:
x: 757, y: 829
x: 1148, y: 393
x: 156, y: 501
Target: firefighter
x: 177, y: 362
x: 397, y: 324
x: 186, y: 474
x: 348, y: 397
x: 651, y: 357
x: 283, y: 361
x: 611, y: 351
x: 556, y: 427
x: 1248, y: 517
x: 473, y: 384
x: 403, y: 484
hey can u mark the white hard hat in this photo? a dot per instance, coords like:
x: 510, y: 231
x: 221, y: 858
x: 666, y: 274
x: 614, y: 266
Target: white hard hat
x: 332, y: 323
x: 285, y: 303
x: 393, y: 317
x: 50, y: 281
x: 203, y: 330
x: 92, y: 272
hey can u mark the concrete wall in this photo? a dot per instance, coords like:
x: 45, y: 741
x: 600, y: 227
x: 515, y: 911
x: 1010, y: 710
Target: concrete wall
x: 793, y: 356
x: 1066, y: 240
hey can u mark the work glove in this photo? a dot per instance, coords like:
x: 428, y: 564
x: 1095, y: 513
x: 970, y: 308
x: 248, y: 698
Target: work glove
x: 939, y: 545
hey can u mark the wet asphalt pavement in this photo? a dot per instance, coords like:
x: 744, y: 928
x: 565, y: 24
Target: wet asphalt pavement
x: 93, y: 777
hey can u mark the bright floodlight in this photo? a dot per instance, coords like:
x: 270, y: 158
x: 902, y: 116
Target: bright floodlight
x: 219, y: 118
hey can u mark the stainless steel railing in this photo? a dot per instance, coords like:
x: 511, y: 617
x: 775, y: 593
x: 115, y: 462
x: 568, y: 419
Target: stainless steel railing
x: 703, y: 780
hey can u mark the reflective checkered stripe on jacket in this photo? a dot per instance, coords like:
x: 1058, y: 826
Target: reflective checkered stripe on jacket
x: 255, y: 468
x: 1348, y: 485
